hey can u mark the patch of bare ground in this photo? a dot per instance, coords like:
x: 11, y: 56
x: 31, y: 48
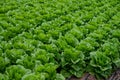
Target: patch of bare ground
x: 87, y: 76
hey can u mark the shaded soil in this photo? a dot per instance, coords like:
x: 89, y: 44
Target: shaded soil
x: 87, y: 76
x: 115, y: 75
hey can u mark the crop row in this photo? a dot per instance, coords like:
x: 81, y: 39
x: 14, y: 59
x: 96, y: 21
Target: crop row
x: 52, y: 40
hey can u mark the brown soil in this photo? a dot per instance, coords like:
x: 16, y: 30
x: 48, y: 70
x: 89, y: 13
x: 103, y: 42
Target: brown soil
x: 87, y: 76
x: 115, y: 75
